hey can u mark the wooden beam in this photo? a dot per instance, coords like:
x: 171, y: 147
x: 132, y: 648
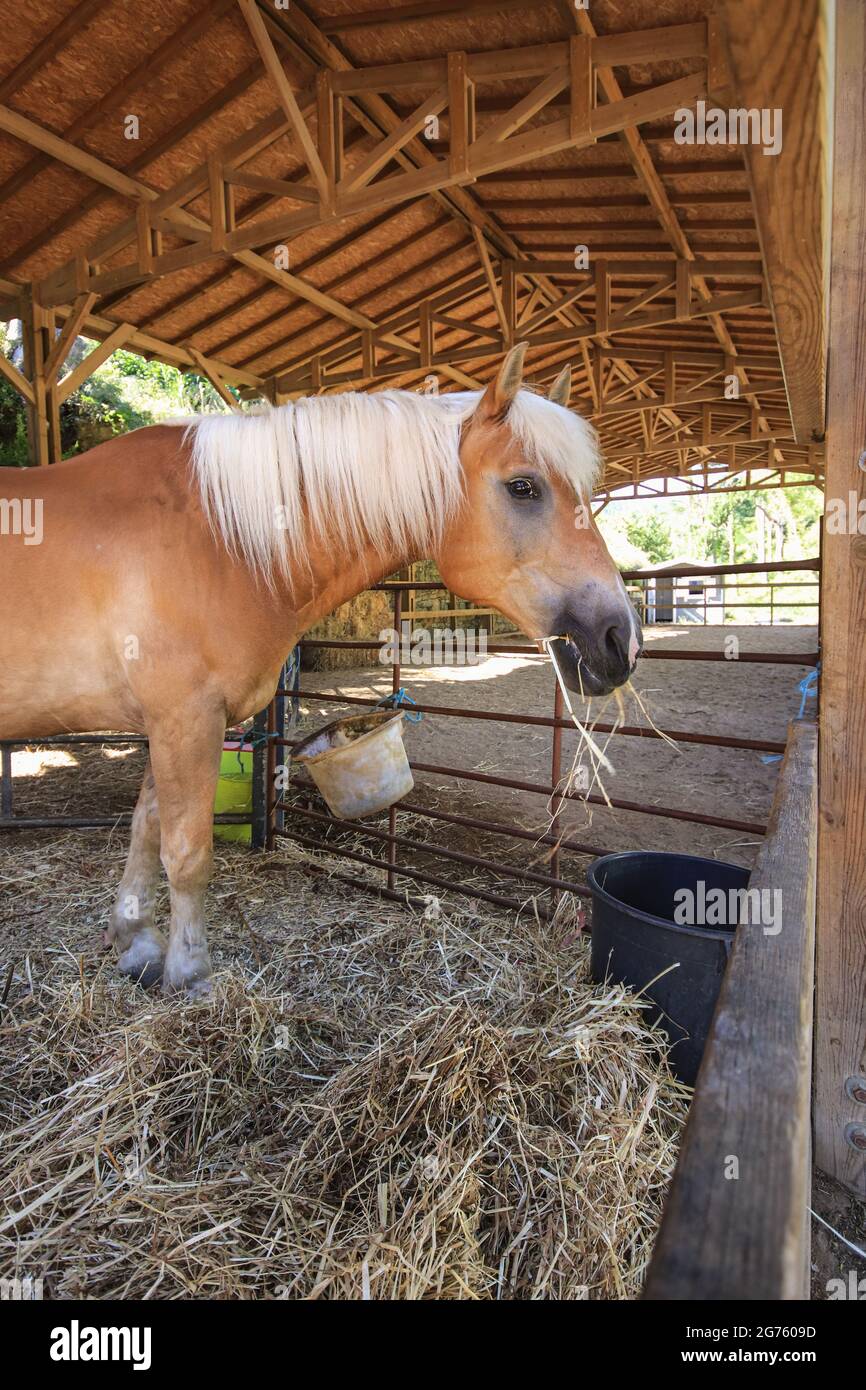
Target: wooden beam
x: 69, y: 332
x: 369, y: 166
x: 288, y: 99
x: 736, y: 1221
x: 777, y: 57
x: 81, y: 160
x: 145, y: 71
x: 16, y: 379
x: 209, y: 370
x: 493, y: 288
x: 95, y: 358
x: 651, y: 182
x: 840, y: 1020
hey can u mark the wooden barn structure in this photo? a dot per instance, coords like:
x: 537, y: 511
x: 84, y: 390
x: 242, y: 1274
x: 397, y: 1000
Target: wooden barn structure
x: 323, y: 195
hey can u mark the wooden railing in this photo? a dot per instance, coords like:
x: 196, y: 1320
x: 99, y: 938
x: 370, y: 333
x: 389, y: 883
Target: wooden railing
x: 736, y: 1223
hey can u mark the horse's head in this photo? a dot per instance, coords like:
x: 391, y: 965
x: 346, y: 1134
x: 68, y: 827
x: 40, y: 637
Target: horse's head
x: 525, y: 541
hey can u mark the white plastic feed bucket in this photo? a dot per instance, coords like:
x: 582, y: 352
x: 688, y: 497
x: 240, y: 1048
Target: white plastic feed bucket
x: 359, y: 764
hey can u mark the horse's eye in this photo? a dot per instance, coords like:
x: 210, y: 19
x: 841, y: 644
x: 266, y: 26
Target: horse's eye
x: 524, y: 488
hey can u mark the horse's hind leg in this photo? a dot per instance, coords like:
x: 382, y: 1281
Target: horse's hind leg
x: 185, y: 750
x: 142, y: 947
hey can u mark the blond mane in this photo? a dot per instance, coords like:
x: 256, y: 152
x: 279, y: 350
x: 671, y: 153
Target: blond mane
x: 358, y: 469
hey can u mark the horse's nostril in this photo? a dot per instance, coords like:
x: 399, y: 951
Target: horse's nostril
x: 616, y: 641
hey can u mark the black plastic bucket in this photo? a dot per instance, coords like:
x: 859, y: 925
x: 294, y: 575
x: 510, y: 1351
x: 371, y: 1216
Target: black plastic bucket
x: 636, y: 940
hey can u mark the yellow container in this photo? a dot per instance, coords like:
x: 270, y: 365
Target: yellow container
x: 234, y: 794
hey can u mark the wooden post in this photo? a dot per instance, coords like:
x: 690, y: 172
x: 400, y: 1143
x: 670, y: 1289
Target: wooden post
x: 35, y: 352
x: 736, y: 1223
x: 840, y: 1015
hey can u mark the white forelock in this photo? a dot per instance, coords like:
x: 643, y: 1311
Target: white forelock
x: 357, y: 469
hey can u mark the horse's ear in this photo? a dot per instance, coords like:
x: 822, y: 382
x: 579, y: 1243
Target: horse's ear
x: 560, y: 391
x: 504, y: 387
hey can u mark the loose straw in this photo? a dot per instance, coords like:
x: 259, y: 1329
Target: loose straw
x: 595, y: 751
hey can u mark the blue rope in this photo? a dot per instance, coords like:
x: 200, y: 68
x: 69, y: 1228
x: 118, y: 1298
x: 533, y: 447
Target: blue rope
x: 396, y: 700
x: 808, y: 688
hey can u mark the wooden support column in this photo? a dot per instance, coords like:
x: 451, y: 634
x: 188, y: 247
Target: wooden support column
x: 840, y: 1013
x: 36, y: 350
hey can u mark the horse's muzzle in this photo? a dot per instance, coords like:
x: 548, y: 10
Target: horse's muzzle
x: 595, y: 663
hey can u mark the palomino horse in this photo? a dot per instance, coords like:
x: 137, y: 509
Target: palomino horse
x: 178, y: 567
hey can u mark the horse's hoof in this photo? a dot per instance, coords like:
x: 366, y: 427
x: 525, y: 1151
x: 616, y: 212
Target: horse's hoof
x: 187, y: 972
x: 143, y: 960
x: 202, y: 989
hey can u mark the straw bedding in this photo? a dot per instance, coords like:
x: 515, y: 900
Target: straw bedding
x: 379, y: 1101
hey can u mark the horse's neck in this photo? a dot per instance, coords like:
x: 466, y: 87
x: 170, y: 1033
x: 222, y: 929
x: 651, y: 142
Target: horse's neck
x: 330, y: 578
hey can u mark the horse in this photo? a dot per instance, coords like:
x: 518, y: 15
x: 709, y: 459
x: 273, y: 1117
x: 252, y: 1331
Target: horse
x: 177, y: 566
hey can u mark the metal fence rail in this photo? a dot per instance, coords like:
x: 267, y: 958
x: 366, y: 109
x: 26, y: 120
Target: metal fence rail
x: 401, y: 853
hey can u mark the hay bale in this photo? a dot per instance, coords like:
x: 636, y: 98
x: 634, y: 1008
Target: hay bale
x: 365, y: 616
x: 378, y: 1102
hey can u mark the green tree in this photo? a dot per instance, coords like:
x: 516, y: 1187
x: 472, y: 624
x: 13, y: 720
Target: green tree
x: 651, y: 533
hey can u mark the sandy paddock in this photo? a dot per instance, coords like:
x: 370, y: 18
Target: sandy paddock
x: 738, y: 700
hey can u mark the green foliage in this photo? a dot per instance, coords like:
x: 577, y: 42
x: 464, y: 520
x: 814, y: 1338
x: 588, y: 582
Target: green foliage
x: 714, y: 529
x: 125, y: 393
x: 651, y: 533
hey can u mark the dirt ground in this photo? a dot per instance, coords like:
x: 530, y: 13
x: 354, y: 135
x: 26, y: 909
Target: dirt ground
x: 743, y: 700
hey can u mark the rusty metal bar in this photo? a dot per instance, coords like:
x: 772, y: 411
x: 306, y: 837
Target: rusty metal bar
x: 97, y: 822
x: 490, y: 827
x: 5, y: 781
x: 270, y: 774
x: 752, y: 745
x: 525, y: 649
x: 496, y: 828
x: 395, y: 686
x: 668, y: 812
x: 425, y: 847
x: 422, y: 877
x: 681, y: 571
x: 556, y: 769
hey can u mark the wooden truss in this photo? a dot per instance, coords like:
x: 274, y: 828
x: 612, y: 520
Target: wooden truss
x: 166, y: 238
x: 613, y: 298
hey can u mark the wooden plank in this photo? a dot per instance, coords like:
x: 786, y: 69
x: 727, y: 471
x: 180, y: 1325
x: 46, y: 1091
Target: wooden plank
x: 56, y: 37
x: 534, y: 101
x: 735, y: 1223
x: 367, y: 168
x: 840, y: 1024
x: 280, y: 188
x: 777, y: 60
x: 208, y: 370
x: 487, y: 266
x: 581, y: 83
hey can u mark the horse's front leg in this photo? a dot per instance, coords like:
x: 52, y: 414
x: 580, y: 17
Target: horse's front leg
x: 185, y: 752
x: 131, y: 929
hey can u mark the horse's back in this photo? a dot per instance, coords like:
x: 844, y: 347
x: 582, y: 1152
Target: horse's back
x: 75, y: 545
